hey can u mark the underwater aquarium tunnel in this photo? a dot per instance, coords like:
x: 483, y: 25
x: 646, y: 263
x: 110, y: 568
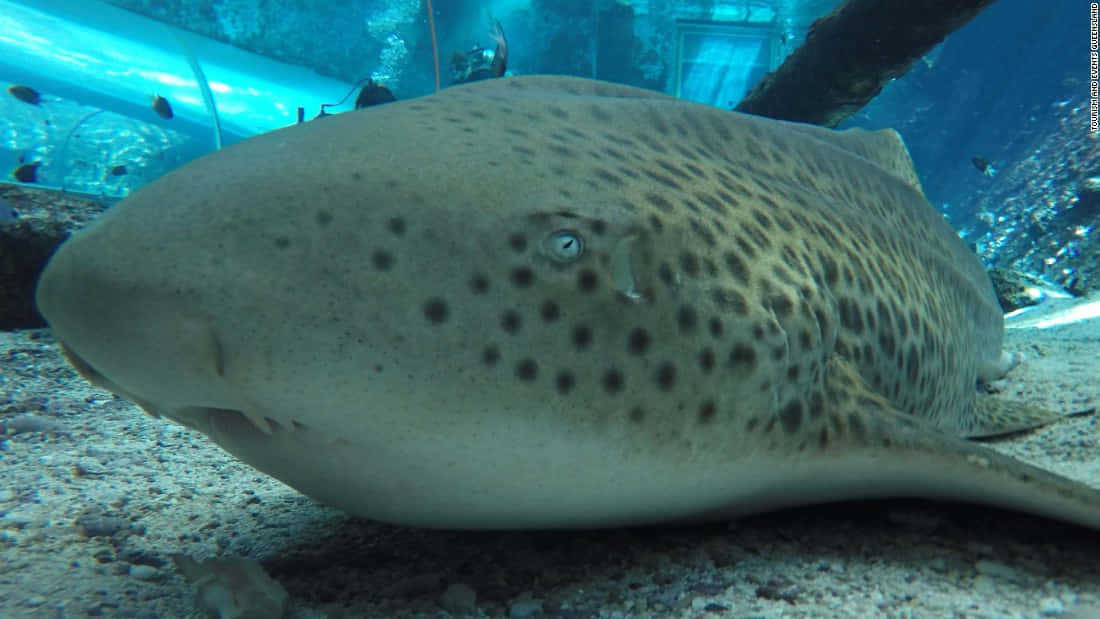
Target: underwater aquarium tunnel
x: 110, y: 99
x: 113, y: 100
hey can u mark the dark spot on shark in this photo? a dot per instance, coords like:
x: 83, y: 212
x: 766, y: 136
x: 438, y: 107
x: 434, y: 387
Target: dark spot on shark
x: 435, y: 310
x: 527, y: 370
x: 638, y: 341
x: 479, y: 284
x: 613, y: 381
x: 706, y: 359
x: 790, y: 417
x: 582, y: 336
x: 564, y: 382
x: 382, y: 260
x: 511, y: 322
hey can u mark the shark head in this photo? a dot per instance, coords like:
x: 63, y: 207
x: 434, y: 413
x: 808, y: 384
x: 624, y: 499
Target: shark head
x: 420, y: 280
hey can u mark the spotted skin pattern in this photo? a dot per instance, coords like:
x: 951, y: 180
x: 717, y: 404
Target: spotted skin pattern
x: 545, y: 302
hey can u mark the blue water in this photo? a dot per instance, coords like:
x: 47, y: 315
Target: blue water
x: 994, y: 88
x: 999, y: 88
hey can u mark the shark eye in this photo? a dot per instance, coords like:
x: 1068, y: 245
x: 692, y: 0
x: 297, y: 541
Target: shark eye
x: 564, y: 246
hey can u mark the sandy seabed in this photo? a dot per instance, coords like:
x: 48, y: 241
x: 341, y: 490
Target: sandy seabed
x: 96, y: 497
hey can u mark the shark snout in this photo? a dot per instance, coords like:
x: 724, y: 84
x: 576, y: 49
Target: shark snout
x: 137, y: 338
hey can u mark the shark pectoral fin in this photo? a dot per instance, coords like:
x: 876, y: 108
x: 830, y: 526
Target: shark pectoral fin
x: 992, y: 416
x: 989, y: 416
x: 914, y: 458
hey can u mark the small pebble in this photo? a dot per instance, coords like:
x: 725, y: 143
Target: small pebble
x: 90, y: 467
x: 144, y: 572
x: 458, y: 597
x: 996, y: 569
x: 101, y: 526
x: 525, y: 608
x: 988, y: 585
x: 16, y: 519
x: 779, y: 589
x: 1050, y: 607
x: 141, y: 557
x: 31, y: 423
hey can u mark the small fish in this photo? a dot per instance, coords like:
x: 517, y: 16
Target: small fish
x: 984, y: 165
x: 118, y: 170
x: 373, y: 93
x: 162, y: 107
x: 26, y: 94
x: 27, y: 173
